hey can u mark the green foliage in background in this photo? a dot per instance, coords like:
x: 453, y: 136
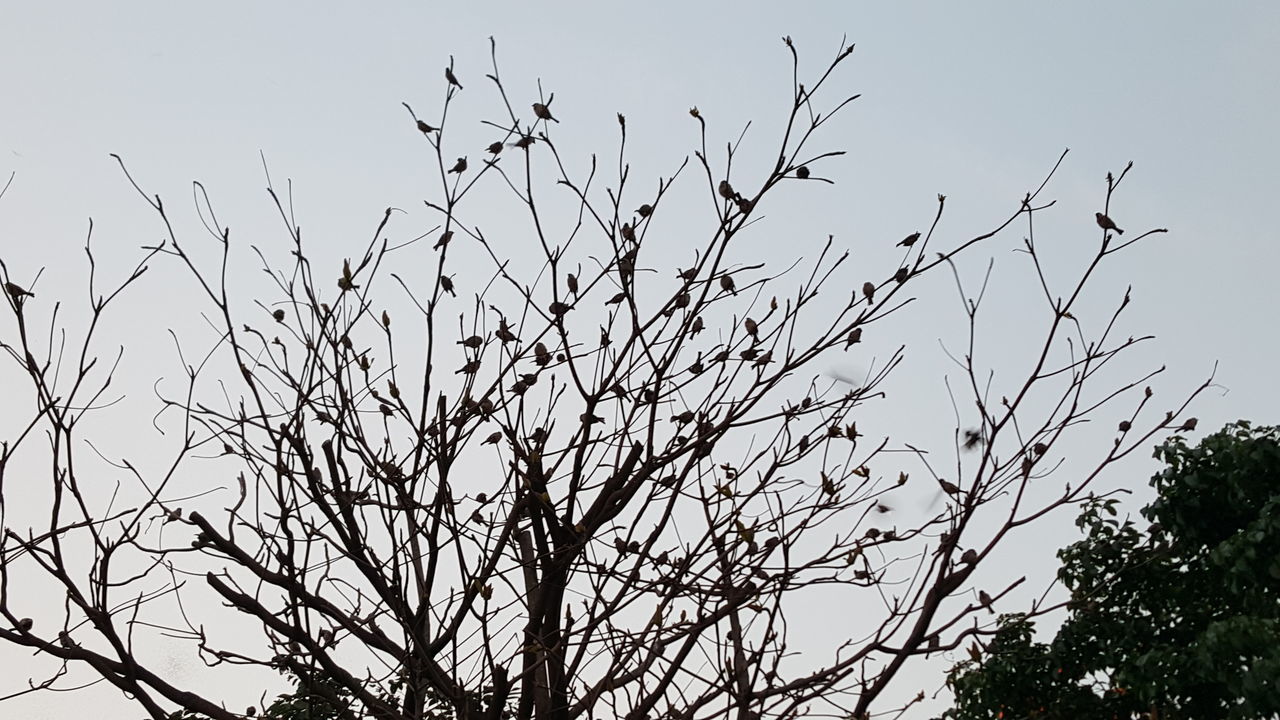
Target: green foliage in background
x: 1181, y: 620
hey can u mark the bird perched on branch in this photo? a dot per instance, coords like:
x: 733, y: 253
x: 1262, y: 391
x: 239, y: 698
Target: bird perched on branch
x: 1107, y: 223
x: 16, y: 292
x: 460, y: 166
x: 909, y: 240
x: 453, y: 79
x: 543, y: 112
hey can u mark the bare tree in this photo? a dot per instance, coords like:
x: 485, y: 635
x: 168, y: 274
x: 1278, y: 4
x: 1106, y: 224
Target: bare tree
x: 605, y: 492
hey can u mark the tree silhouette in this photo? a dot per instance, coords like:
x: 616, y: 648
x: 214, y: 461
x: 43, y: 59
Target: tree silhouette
x: 603, y: 492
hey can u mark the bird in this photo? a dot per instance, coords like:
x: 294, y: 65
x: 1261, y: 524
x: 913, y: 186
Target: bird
x: 446, y: 284
x: 16, y: 291
x: 278, y: 315
x: 727, y: 284
x: 445, y: 237
x: 460, y: 166
x: 869, y: 291
x: 618, y: 298
x: 493, y: 438
x: 948, y: 487
x: 558, y: 308
x: 25, y: 624
x: 453, y: 79
x: 644, y: 210
x: 902, y: 275
x: 572, y: 283
x: 1188, y: 425
x: 726, y: 190
x: 985, y: 599
x: 425, y: 128
x: 503, y: 333
x: 855, y: 336
x: 543, y: 112
x: 909, y: 240
x: 752, y: 329
x: 495, y: 148
x: 802, y: 172
x: 1107, y: 223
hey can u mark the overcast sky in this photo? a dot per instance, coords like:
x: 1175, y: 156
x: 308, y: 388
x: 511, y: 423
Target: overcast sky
x: 976, y: 101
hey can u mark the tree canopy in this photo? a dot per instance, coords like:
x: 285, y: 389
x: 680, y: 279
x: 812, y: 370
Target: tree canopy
x: 1178, y: 619
x: 553, y: 443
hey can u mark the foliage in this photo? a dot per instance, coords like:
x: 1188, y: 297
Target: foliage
x: 1179, y: 621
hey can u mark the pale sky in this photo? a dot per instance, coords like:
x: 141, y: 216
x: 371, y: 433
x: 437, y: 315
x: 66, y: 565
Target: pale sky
x: 975, y: 101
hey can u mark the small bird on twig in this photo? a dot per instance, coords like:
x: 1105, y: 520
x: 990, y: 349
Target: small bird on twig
x: 1107, y: 223
x: 460, y: 166
x: 909, y: 240
x: 425, y: 128
x: 453, y: 79
x: 543, y: 112
x: 16, y: 292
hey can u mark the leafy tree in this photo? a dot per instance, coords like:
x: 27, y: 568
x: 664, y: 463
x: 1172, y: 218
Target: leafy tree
x: 581, y: 471
x: 1181, y: 620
